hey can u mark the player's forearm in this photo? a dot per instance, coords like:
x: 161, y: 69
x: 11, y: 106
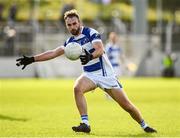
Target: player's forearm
x: 45, y: 56
x: 97, y: 53
x: 49, y: 54
x: 99, y: 50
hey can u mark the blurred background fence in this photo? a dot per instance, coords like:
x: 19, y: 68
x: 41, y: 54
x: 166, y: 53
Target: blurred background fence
x: 144, y: 40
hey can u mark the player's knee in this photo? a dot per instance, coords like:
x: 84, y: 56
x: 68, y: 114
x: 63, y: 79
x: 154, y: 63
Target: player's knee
x: 77, y: 90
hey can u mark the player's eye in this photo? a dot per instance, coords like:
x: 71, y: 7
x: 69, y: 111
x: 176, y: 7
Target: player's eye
x: 74, y: 23
x: 69, y: 25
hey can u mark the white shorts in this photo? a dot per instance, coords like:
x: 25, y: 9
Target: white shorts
x: 104, y: 82
x: 117, y: 71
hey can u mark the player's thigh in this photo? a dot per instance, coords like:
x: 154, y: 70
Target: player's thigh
x: 84, y: 84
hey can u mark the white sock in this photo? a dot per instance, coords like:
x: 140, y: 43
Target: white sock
x: 143, y: 124
x: 84, y: 119
x: 86, y: 122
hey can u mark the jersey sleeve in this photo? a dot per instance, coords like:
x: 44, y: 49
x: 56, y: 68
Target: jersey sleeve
x: 65, y: 44
x: 95, y: 36
x: 71, y: 39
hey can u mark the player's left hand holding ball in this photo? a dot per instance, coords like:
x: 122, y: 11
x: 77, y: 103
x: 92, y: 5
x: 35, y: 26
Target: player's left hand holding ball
x: 24, y: 61
x: 85, y: 58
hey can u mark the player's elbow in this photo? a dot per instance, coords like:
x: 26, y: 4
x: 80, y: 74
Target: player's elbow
x: 98, y: 53
x: 98, y: 48
x: 101, y: 52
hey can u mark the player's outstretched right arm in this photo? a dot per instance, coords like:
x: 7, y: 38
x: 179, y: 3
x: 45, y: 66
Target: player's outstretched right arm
x: 50, y: 54
x: 24, y: 61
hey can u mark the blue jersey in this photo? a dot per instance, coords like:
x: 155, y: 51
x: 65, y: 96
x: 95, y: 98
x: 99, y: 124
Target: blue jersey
x: 99, y: 66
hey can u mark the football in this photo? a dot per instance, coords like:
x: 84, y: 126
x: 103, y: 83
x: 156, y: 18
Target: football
x: 73, y: 50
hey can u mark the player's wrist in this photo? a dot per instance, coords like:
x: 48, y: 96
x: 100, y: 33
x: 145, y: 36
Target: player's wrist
x: 32, y: 59
x: 91, y: 56
x: 29, y: 60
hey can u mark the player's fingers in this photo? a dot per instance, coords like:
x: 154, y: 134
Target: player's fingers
x: 86, y: 51
x: 83, y: 63
x: 83, y: 60
x: 23, y: 67
x: 19, y: 59
x: 18, y: 64
x: 82, y: 56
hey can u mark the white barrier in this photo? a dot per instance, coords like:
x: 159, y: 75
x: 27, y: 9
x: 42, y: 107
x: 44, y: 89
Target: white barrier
x: 59, y: 67
x: 9, y: 69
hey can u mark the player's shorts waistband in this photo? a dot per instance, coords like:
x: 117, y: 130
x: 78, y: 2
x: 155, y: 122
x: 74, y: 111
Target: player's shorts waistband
x: 93, y: 67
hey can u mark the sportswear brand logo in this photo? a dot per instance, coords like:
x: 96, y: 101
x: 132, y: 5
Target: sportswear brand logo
x: 114, y: 85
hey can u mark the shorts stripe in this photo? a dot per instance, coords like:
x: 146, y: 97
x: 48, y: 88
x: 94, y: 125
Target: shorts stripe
x: 103, y: 69
x: 119, y: 84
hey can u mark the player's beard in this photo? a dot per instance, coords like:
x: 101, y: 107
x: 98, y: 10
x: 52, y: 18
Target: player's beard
x: 75, y: 31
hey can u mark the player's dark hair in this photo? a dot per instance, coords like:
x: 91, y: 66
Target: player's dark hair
x: 71, y: 13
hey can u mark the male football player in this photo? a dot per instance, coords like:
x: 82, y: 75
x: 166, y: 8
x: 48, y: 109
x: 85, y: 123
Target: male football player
x: 98, y: 71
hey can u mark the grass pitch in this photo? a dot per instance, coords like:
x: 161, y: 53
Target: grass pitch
x: 46, y: 108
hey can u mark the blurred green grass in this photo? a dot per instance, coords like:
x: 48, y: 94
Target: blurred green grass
x: 46, y: 108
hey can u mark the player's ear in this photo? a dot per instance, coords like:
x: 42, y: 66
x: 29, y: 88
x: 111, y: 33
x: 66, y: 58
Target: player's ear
x: 81, y: 23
